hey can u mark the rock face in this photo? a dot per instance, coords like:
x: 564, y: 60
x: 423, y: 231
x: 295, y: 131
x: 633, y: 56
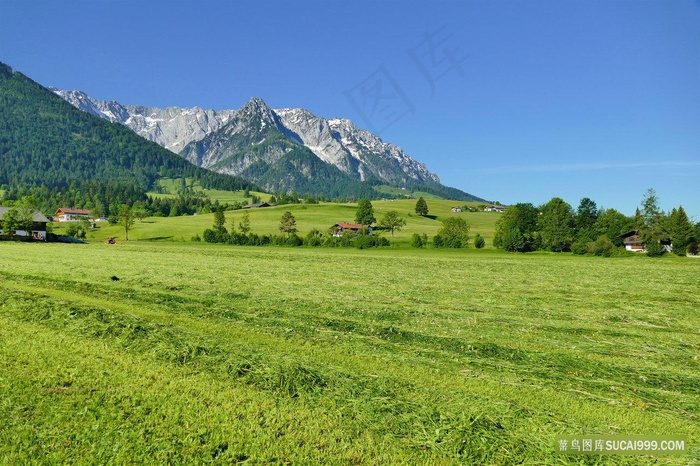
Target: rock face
x: 172, y: 127
x: 279, y: 150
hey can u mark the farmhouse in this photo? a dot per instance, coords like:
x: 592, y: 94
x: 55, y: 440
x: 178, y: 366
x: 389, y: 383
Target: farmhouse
x: 633, y: 242
x: 340, y: 228
x: 456, y: 209
x: 494, y: 208
x: 69, y: 215
x: 257, y: 206
x: 38, y: 230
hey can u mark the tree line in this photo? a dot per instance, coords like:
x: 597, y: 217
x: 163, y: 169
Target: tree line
x: 557, y: 227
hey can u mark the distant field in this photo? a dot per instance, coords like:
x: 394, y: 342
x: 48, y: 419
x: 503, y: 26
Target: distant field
x: 208, y: 353
x: 319, y: 216
x: 171, y: 186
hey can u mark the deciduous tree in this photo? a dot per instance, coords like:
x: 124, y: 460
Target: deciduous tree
x: 557, y: 225
x: 392, y: 221
x: 126, y: 219
x: 288, y: 224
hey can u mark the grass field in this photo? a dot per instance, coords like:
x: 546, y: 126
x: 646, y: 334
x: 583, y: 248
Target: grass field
x: 216, y: 354
x: 308, y: 217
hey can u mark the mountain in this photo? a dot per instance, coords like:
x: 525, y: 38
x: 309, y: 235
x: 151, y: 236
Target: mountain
x: 172, y: 127
x: 46, y: 142
x: 257, y: 142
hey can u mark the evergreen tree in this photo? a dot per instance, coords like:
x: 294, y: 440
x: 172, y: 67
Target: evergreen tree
x: 245, y: 223
x: 392, y: 221
x: 680, y: 230
x: 365, y: 213
x: 586, y: 216
x: 421, y: 207
x: 219, y: 220
x: 288, y: 224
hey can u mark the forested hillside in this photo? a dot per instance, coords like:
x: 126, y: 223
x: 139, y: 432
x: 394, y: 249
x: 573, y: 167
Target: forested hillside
x: 46, y: 142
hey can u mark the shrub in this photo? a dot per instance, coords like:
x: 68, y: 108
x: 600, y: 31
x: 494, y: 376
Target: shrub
x: 196, y: 239
x: 654, y: 249
x: 693, y: 249
x: 602, y: 247
x: 581, y: 246
x: 418, y: 241
x: 210, y: 236
x: 479, y: 241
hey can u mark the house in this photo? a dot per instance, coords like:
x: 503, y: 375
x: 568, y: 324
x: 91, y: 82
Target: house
x: 494, y: 208
x: 633, y: 242
x: 257, y: 206
x: 38, y: 230
x: 71, y: 215
x: 456, y: 209
x: 341, y: 228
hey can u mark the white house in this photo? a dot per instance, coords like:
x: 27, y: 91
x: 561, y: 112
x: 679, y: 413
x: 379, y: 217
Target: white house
x: 38, y: 230
x: 70, y: 215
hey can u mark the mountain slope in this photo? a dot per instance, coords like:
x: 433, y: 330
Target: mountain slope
x: 231, y: 141
x: 46, y: 141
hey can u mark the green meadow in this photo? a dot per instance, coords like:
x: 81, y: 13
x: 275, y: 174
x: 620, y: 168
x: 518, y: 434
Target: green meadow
x: 308, y: 217
x: 207, y: 353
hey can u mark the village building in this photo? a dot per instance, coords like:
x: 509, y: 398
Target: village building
x: 456, y: 209
x: 494, y: 208
x: 633, y: 242
x: 340, y: 228
x: 257, y: 206
x: 38, y: 230
x: 71, y: 215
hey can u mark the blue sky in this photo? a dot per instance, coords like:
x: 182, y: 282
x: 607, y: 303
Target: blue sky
x: 509, y: 100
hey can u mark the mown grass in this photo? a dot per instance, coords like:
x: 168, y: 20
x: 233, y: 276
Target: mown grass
x: 207, y: 353
x: 308, y: 217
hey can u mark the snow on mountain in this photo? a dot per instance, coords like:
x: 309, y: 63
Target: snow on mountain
x: 354, y: 151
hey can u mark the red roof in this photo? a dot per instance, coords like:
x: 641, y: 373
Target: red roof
x: 73, y: 211
x: 350, y: 226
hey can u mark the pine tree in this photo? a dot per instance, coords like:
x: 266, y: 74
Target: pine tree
x: 680, y: 230
x: 365, y: 213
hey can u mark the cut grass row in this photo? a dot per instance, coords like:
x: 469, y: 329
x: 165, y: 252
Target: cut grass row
x: 338, y: 356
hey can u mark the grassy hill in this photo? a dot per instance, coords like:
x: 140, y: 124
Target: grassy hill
x: 203, y: 353
x: 308, y: 217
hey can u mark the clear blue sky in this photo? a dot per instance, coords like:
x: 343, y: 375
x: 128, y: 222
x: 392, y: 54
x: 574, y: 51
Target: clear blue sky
x: 509, y: 100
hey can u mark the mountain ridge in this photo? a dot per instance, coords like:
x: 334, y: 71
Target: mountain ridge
x: 220, y: 141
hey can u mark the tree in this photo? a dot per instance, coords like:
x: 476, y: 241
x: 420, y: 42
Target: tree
x: 523, y: 218
x: 421, y: 207
x: 126, y: 219
x: 586, y: 216
x: 288, y: 224
x: 651, y: 229
x: 557, y: 225
x: 479, y: 241
x: 219, y: 220
x: 612, y: 224
x: 680, y: 230
x: 140, y: 214
x: 10, y: 222
x: 454, y: 233
x: 392, y: 221
x: 245, y: 224
x: 365, y: 213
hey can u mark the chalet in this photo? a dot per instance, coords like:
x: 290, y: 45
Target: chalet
x: 71, y: 215
x: 456, y: 209
x: 633, y: 242
x: 340, y: 228
x: 257, y: 206
x: 38, y: 230
x: 494, y: 208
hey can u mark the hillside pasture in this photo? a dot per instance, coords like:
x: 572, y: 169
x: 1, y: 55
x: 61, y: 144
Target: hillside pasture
x: 203, y: 353
x: 312, y: 216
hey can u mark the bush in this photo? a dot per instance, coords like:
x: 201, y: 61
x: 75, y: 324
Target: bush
x: 602, y: 247
x: 479, y: 241
x: 196, y: 239
x: 654, y: 249
x: 581, y: 246
x: 366, y: 241
x: 210, y: 236
x: 693, y: 249
x: 419, y: 241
